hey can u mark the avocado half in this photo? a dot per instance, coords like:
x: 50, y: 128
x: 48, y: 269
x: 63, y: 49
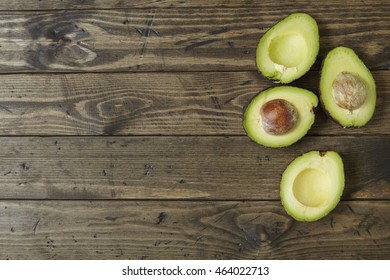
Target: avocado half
x: 347, y: 88
x: 289, y: 48
x: 312, y: 185
x: 280, y: 116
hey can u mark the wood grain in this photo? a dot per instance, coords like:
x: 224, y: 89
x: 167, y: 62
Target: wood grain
x: 197, y: 39
x: 18, y: 5
x: 189, y: 230
x: 121, y: 133
x: 207, y: 168
x: 196, y: 103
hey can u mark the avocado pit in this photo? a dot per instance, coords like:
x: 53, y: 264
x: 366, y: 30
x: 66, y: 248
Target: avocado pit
x: 278, y: 116
x: 349, y: 91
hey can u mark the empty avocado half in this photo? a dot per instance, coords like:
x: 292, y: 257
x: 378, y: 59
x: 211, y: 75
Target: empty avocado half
x: 280, y: 116
x: 288, y: 49
x: 347, y: 88
x: 312, y: 185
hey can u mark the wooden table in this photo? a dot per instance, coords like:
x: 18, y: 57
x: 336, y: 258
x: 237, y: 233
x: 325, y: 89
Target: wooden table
x: 122, y: 138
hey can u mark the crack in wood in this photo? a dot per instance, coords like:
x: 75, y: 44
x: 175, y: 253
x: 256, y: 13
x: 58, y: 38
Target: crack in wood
x: 36, y: 225
x: 148, y: 168
x: 332, y: 222
x: 219, y: 31
x: 350, y: 208
x: 161, y: 218
x: 147, y: 31
x: 6, y: 109
x: 199, y: 44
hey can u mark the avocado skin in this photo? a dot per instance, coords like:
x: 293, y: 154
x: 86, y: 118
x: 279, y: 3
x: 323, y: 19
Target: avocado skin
x: 303, y: 99
x: 339, y: 182
x: 273, y: 76
x: 321, y: 95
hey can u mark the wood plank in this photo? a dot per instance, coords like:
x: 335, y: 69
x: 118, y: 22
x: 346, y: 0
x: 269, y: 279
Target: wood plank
x: 232, y: 168
x: 197, y: 103
x: 189, y: 230
x: 222, y: 39
x: 18, y: 5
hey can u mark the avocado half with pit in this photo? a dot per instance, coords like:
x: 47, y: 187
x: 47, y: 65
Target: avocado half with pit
x: 288, y: 49
x: 280, y: 116
x: 312, y: 185
x: 347, y: 88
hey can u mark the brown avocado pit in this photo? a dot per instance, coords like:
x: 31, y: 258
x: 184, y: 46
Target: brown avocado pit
x: 278, y: 116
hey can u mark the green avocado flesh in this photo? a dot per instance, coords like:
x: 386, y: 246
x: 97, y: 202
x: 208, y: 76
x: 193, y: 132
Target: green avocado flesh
x: 288, y: 50
x: 312, y: 185
x: 301, y: 102
x: 347, y: 88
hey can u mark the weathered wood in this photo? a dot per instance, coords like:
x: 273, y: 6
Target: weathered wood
x: 232, y: 168
x: 175, y: 39
x: 18, y: 5
x: 179, y: 179
x: 200, y: 103
x: 189, y: 230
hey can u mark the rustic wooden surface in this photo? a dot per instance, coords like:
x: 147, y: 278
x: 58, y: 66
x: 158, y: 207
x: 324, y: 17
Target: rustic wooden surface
x: 121, y: 133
